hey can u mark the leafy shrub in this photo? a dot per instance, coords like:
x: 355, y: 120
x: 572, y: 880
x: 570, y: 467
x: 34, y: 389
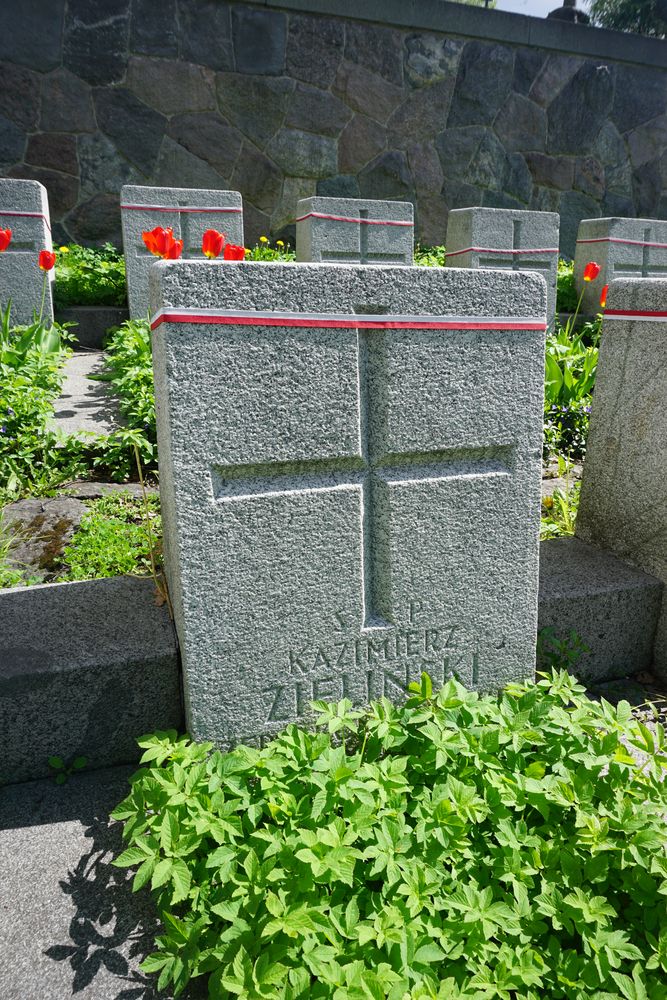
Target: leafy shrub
x: 566, y: 295
x: 430, y: 256
x: 88, y: 276
x: 263, y: 250
x: 457, y: 846
x: 571, y: 366
x: 31, y: 375
x: 112, y: 539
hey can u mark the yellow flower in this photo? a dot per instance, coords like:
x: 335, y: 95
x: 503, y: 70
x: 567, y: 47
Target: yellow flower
x: 64, y: 249
x: 263, y: 239
x: 279, y: 243
x: 547, y: 502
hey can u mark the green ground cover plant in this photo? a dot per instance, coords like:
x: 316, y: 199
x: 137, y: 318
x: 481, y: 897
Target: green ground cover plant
x: 566, y: 294
x: 32, y: 357
x: 89, y: 276
x: 264, y: 250
x: 430, y: 256
x: 457, y: 846
x: 113, y: 538
x: 571, y: 366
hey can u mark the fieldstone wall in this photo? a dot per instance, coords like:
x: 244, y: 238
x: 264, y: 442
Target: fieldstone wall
x: 282, y: 104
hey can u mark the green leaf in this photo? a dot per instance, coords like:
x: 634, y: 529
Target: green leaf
x: 180, y: 876
x: 161, y: 872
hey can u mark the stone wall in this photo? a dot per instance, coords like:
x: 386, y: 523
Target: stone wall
x: 446, y: 106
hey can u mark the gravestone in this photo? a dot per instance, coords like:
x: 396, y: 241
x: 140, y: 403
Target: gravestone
x: 24, y: 208
x: 354, y: 230
x: 624, y: 248
x: 507, y: 239
x: 350, y: 467
x: 188, y: 211
x: 623, y: 505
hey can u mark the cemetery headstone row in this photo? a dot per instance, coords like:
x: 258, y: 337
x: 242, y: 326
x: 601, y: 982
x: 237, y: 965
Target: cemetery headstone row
x: 24, y: 208
x: 624, y: 248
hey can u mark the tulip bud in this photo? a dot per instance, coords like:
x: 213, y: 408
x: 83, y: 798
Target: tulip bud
x: 591, y: 271
x: 47, y: 260
x: 5, y: 239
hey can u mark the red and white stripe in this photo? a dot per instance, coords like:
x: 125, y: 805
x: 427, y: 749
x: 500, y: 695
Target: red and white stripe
x: 632, y: 243
x: 363, y: 222
x: 639, y: 315
x: 456, y: 253
x: 182, y: 208
x: 27, y: 215
x: 346, y: 321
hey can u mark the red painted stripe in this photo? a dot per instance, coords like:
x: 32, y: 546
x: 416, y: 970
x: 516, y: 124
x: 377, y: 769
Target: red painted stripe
x: 353, y: 323
x: 363, y: 222
x: 625, y: 314
x: 28, y: 215
x: 455, y: 253
x: 617, y: 239
x: 177, y: 208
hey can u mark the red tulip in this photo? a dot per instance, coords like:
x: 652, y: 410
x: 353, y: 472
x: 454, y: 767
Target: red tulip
x: 232, y: 252
x: 212, y: 243
x: 603, y: 297
x: 47, y: 260
x: 175, y: 250
x: 5, y: 239
x: 591, y: 271
x: 161, y: 243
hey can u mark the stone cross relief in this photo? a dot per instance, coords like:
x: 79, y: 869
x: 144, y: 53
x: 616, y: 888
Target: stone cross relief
x: 515, y: 261
x: 364, y: 256
x: 645, y: 269
x: 373, y: 471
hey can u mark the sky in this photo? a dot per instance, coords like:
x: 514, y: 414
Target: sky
x: 534, y: 8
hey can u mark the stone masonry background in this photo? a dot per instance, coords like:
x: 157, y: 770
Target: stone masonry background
x: 282, y: 105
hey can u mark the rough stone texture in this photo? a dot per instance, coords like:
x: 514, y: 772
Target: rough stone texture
x: 474, y: 233
x: 21, y: 280
x: 135, y: 128
x: 55, y: 150
x: 85, y: 669
x: 188, y: 225
x: 332, y: 100
x: 293, y: 461
x: 623, y: 505
x: 633, y: 259
x: 170, y: 86
x: 347, y: 239
x: 39, y: 529
x: 86, y: 405
x: 611, y: 606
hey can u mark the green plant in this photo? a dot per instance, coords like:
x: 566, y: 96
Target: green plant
x: 456, y: 846
x: 430, y: 256
x: 11, y: 575
x: 566, y: 293
x: 63, y: 771
x: 646, y: 17
x: 263, y: 250
x: 31, y: 374
x: 89, y: 276
x: 559, y: 511
x: 115, y: 537
x: 571, y: 366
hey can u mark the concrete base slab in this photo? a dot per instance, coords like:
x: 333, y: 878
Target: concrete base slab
x: 85, y: 669
x: 69, y: 922
x: 85, y: 405
x: 610, y: 605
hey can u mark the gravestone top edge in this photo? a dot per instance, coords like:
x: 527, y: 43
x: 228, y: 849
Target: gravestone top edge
x: 144, y: 192
x: 319, y: 288
x: 645, y: 294
x: 608, y: 219
x: 403, y: 210
x: 510, y: 213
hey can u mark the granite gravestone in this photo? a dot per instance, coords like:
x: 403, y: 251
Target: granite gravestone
x: 507, y: 239
x: 354, y: 230
x: 188, y: 211
x: 24, y: 208
x: 624, y: 248
x: 350, y: 468
x: 623, y: 505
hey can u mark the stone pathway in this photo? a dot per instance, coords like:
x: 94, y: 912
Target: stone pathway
x: 85, y: 404
x: 69, y: 922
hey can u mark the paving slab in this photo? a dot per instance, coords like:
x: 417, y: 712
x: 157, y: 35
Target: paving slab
x: 86, y: 405
x: 69, y: 922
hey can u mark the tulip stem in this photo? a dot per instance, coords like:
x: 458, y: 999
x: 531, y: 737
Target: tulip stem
x: 41, y: 308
